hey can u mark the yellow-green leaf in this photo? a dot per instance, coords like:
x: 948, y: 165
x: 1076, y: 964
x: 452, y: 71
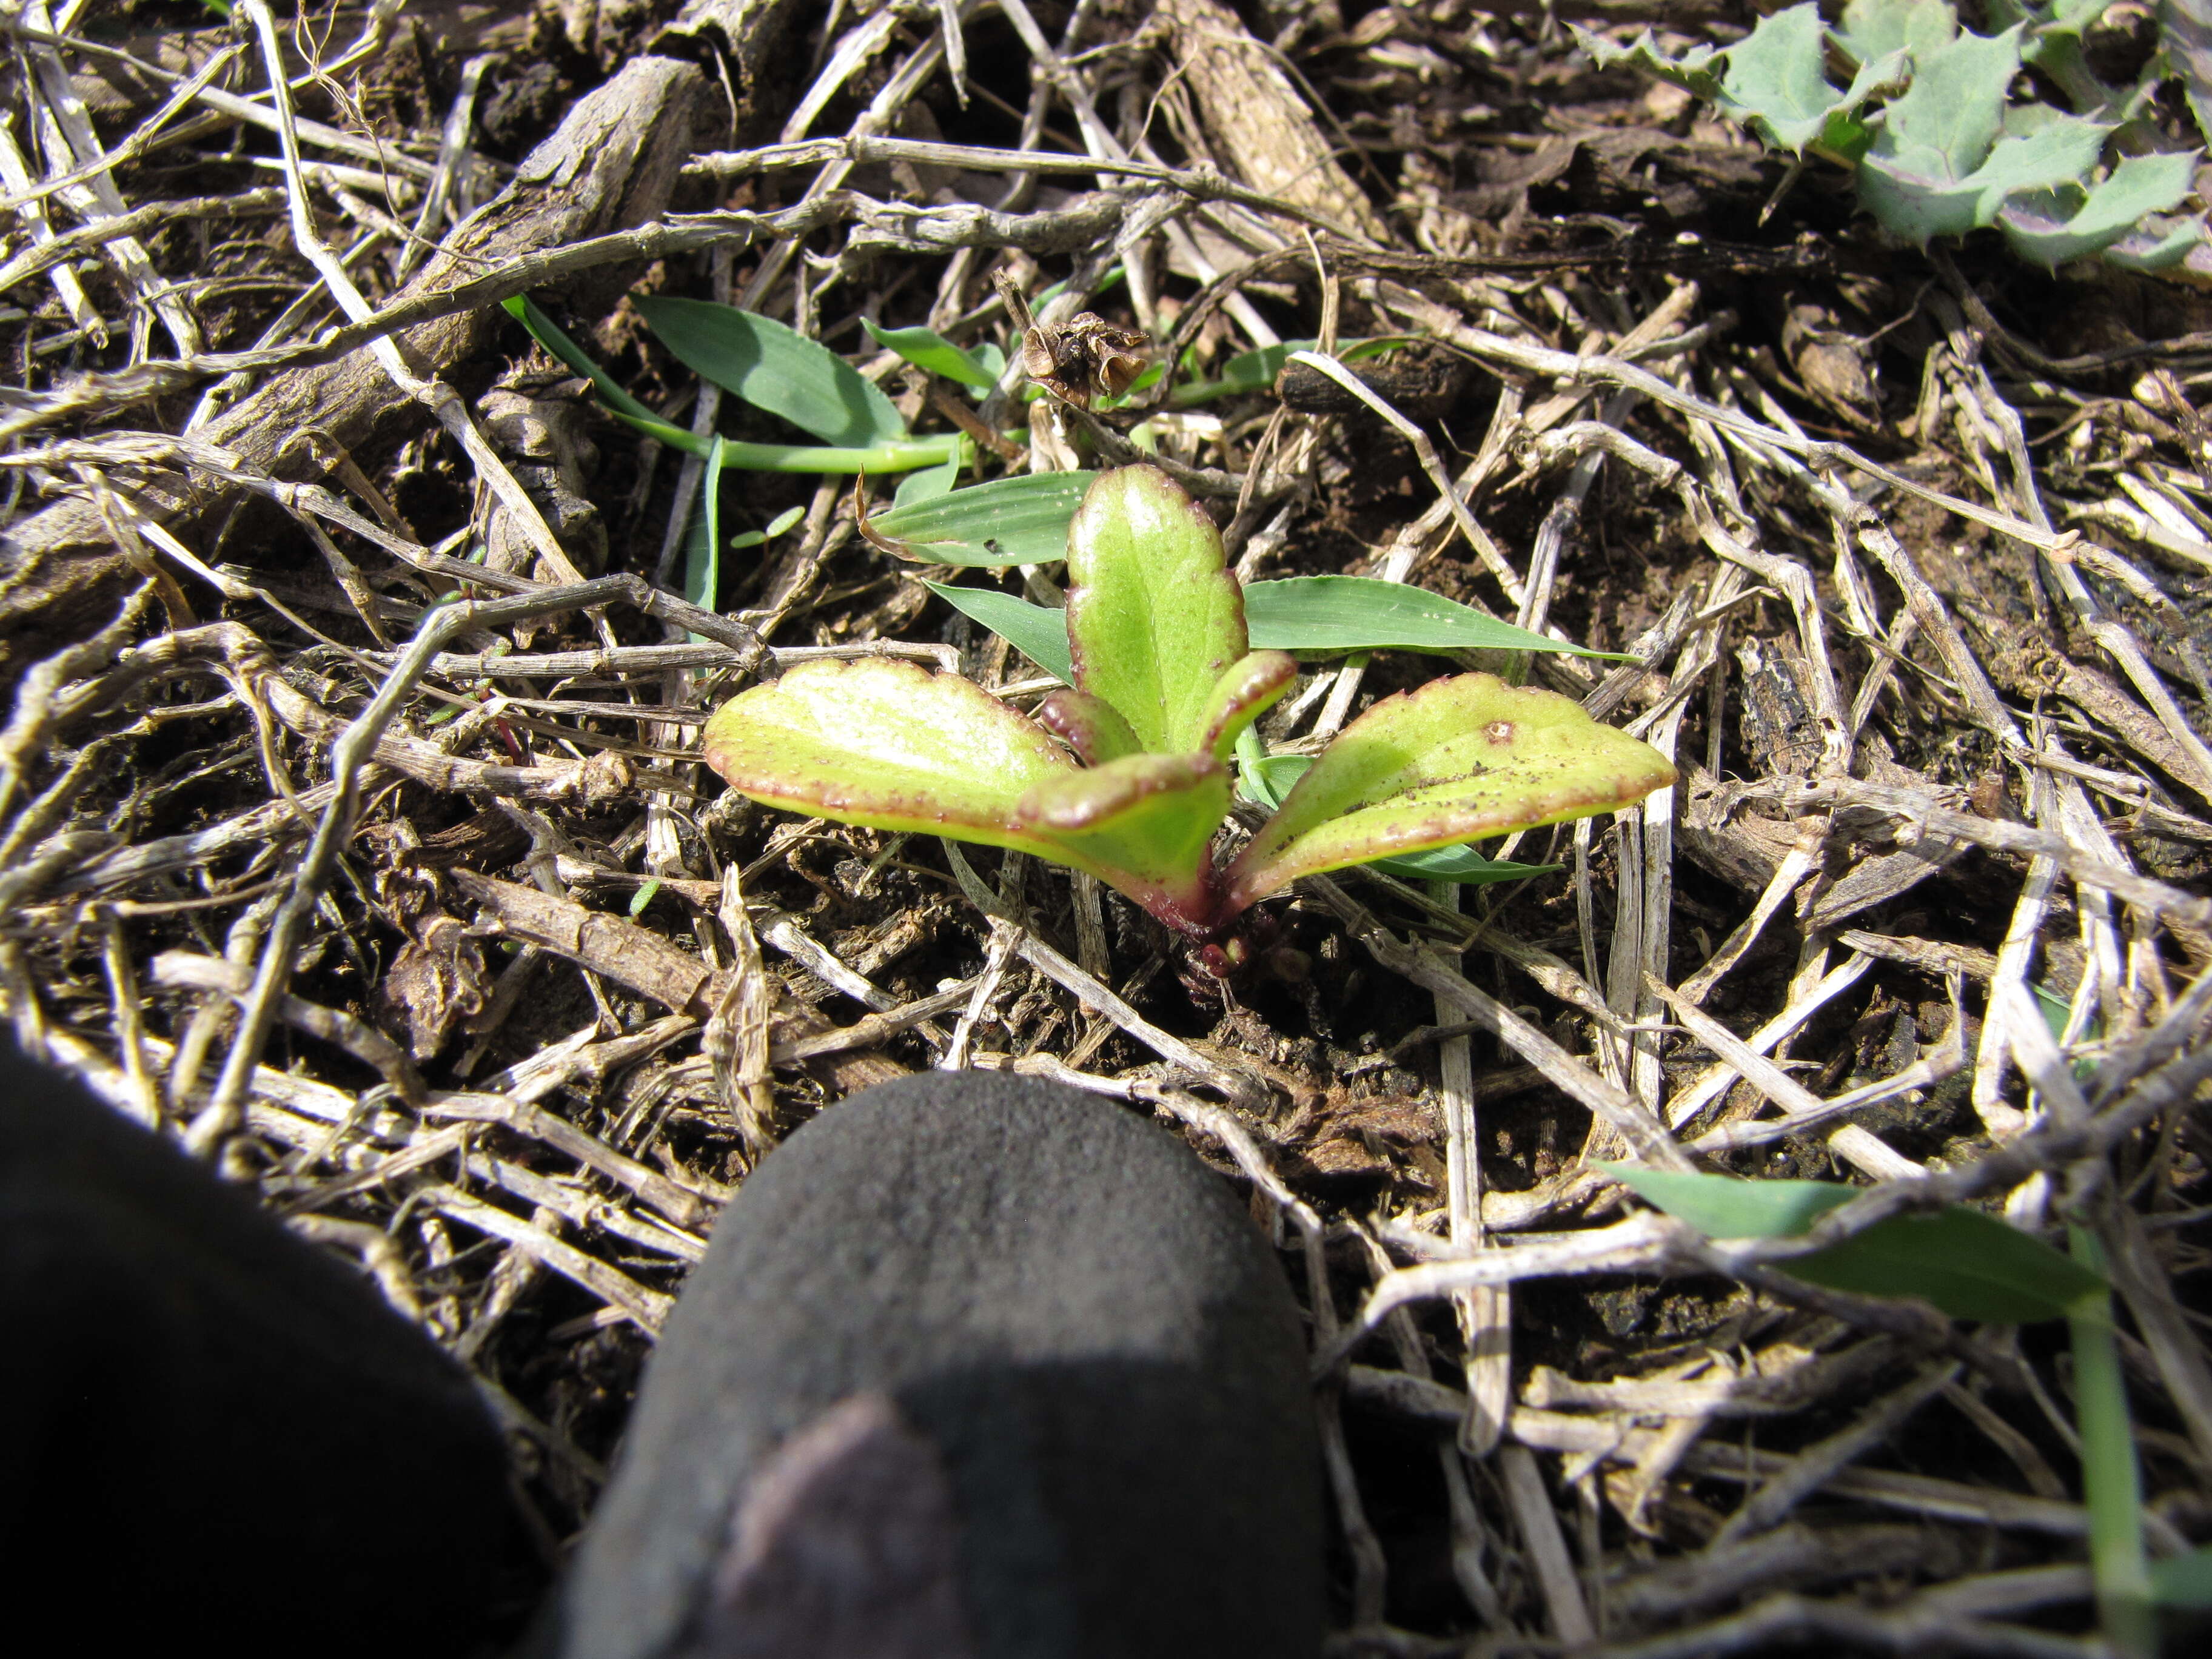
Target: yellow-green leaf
x: 1143, y: 823
x: 1460, y: 758
x: 1153, y: 615
x: 888, y: 744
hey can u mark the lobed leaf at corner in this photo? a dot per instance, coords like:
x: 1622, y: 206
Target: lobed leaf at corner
x: 1154, y: 616
x: 888, y: 744
x: 1774, y: 81
x: 1459, y: 758
x: 2053, y: 226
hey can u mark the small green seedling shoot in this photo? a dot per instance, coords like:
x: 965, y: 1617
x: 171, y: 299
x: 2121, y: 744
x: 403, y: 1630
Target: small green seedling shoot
x: 1126, y: 776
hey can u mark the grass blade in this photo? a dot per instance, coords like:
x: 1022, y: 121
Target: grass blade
x: 547, y: 333
x: 1020, y: 520
x: 1721, y: 1206
x: 776, y: 369
x: 2111, y: 1480
x: 1970, y: 1264
x: 926, y: 348
x: 1038, y: 632
x: 1361, y: 613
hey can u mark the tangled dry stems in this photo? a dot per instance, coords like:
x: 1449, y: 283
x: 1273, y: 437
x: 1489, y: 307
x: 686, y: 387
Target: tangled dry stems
x: 1931, y: 665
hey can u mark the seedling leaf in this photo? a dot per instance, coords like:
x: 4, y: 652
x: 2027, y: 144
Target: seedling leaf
x: 1777, y: 84
x: 1923, y: 204
x: 1950, y: 153
x: 1142, y: 823
x: 1873, y: 28
x: 1153, y: 615
x: 926, y: 348
x: 888, y: 744
x: 1089, y: 726
x: 1021, y: 520
x: 2051, y: 226
x: 1364, y: 613
x: 2160, y: 245
x: 1693, y: 71
x: 1267, y: 778
x: 776, y: 369
x: 1774, y: 82
x: 1944, y: 124
x: 1456, y: 759
x: 1246, y: 691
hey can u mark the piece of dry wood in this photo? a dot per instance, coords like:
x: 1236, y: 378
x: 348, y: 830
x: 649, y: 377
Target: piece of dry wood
x: 1255, y: 119
x: 610, y: 164
x: 642, y: 960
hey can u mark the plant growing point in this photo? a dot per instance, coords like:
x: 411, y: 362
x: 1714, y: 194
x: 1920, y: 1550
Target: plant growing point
x: 1125, y: 774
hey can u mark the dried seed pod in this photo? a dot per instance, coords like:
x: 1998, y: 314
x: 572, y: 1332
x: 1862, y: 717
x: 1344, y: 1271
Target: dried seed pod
x: 1080, y: 362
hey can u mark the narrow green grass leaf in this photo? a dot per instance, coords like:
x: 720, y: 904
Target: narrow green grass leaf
x: 1362, y: 613
x: 903, y: 457
x: 1037, y: 631
x: 1970, y: 1264
x: 1301, y: 613
x: 929, y: 483
x: 548, y: 334
x: 926, y: 348
x: 2183, y: 1581
x: 1019, y: 520
x: 1462, y: 864
x: 776, y: 368
x: 1723, y: 1206
x: 702, y: 568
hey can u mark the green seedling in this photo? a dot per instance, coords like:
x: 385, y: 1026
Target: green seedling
x: 1936, y: 143
x: 1125, y: 775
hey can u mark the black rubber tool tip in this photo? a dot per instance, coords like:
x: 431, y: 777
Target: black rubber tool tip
x: 215, y: 1430
x: 976, y: 1367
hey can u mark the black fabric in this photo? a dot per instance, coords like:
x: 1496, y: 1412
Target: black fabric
x: 209, y: 1431
x: 1072, y: 1307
